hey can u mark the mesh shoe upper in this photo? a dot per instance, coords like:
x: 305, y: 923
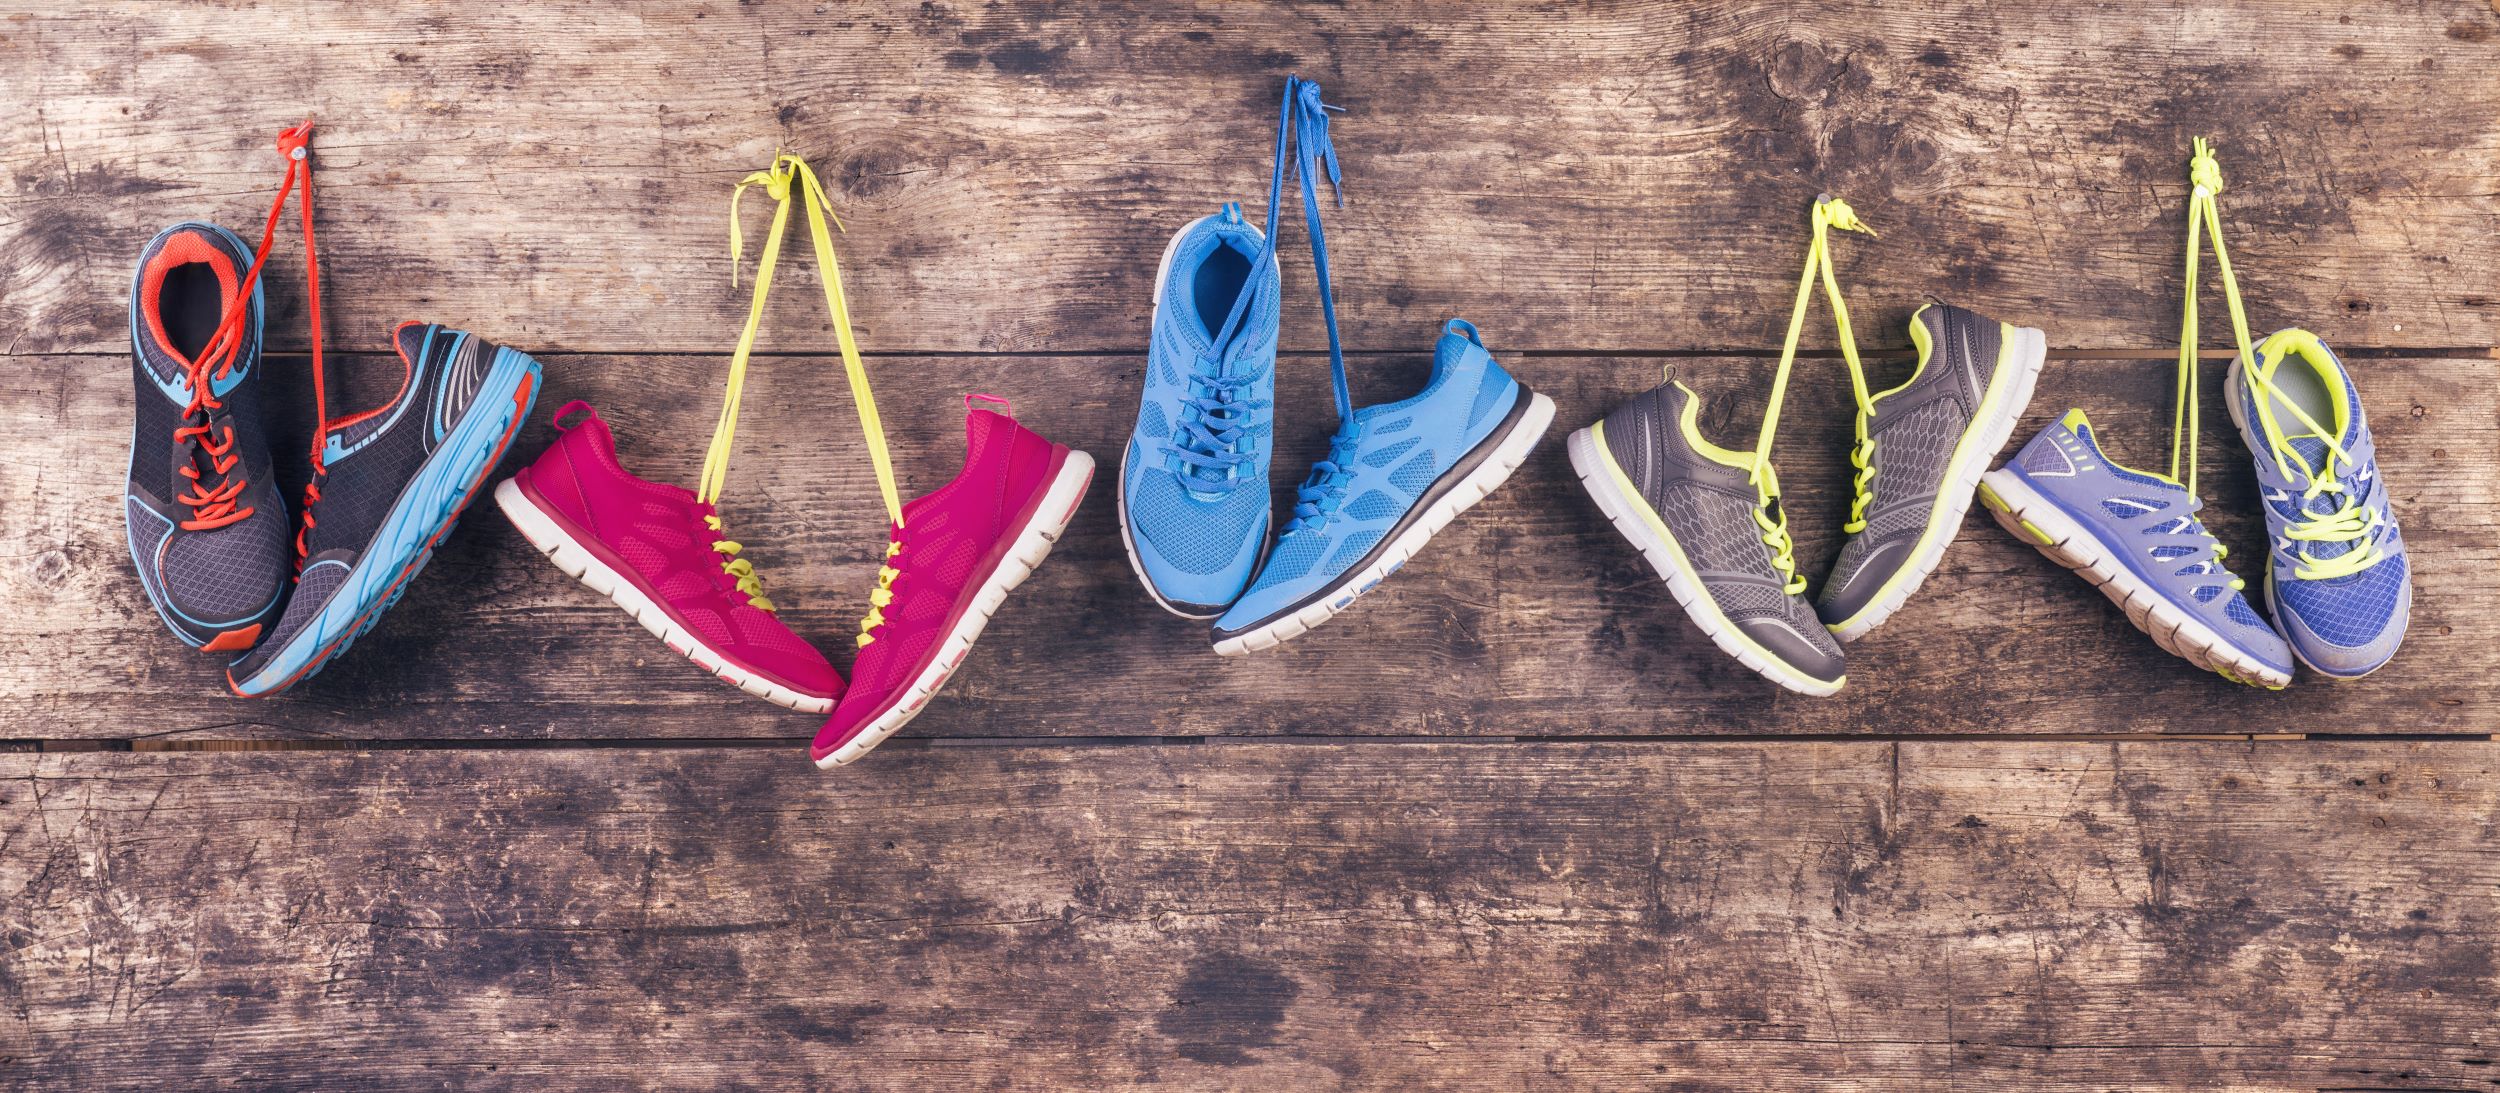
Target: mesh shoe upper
x: 205, y: 581
x: 2150, y: 524
x: 1914, y: 430
x: 1195, y: 476
x: 1381, y: 465
x: 1707, y: 504
x: 368, y: 460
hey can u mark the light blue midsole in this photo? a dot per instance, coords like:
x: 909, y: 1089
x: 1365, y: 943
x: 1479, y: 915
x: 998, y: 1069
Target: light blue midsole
x: 439, y: 490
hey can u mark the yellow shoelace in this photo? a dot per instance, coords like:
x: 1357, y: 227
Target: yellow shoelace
x: 788, y: 178
x: 1829, y: 212
x: 2204, y: 216
x: 2351, y: 520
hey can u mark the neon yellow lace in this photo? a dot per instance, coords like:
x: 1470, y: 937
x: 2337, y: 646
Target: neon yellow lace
x: 778, y: 182
x: 2350, y: 520
x: 2204, y: 217
x: 1829, y: 212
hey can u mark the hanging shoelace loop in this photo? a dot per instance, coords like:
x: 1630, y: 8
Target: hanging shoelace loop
x: 1829, y: 213
x: 218, y: 505
x: 787, y: 180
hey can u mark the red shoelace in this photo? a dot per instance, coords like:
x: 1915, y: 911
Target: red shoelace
x: 215, y: 507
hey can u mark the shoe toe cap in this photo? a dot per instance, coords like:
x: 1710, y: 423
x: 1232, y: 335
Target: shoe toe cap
x: 2348, y: 653
x: 1195, y: 550
x: 1804, y: 646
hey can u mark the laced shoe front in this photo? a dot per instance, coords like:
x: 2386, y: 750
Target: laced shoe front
x: 2337, y: 579
x: 207, y: 525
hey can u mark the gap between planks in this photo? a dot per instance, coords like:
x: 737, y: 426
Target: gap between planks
x: 2365, y: 352
x: 1077, y: 742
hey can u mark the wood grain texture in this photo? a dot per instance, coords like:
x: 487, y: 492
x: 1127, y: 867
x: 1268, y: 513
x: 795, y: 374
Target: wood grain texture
x: 1705, y: 917
x: 1613, y: 175
x: 1529, y: 616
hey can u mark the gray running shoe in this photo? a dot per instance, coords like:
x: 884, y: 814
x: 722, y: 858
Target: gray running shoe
x: 1710, y: 524
x: 1921, y: 449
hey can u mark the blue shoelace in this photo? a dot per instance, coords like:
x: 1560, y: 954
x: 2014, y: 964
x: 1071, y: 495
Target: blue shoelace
x: 1204, y: 444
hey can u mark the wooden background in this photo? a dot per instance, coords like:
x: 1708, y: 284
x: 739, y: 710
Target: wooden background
x: 1511, y: 823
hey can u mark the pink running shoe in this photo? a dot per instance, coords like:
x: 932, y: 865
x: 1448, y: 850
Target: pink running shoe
x: 659, y: 553
x: 954, y: 556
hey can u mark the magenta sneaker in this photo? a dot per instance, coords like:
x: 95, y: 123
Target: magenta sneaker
x: 660, y: 554
x: 952, y: 560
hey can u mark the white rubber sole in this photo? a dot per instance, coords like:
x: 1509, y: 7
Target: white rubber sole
x: 1050, y: 520
x: 579, y: 563
x: 1163, y: 272
x: 1488, y: 476
x: 1634, y: 521
x: 2009, y: 394
x: 2035, y: 520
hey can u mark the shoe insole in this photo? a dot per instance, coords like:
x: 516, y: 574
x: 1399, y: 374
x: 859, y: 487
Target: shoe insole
x: 2296, y: 382
x: 1220, y: 281
x: 190, y: 304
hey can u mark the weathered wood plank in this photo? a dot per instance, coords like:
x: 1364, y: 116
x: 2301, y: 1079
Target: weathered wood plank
x: 1611, y: 175
x: 1690, y: 916
x: 1528, y: 617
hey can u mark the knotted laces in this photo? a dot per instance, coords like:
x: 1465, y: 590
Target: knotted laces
x: 2329, y: 510
x: 1829, y: 212
x: 788, y: 179
x: 215, y: 506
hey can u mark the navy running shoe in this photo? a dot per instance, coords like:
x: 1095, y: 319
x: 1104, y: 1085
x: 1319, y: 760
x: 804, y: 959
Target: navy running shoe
x: 389, y: 484
x: 207, y: 525
x: 2336, y: 578
x: 2137, y: 538
x: 1396, y: 474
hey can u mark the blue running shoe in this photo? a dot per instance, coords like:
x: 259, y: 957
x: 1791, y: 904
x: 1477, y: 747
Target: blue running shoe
x: 2137, y: 538
x: 389, y: 484
x: 1409, y: 468
x: 2336, y: 578
x: 1193, y: 480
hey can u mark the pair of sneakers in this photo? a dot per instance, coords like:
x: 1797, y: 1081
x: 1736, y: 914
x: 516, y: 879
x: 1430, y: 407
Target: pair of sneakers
x: 207, y: 528
x: 1194, y: 508
x: 664, y: 554
x: 2337, y: 584
x: 1709, y: 519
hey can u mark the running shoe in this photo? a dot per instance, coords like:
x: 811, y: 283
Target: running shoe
x: 1709, y: 522
x: 1193, y: 479
x: 1409, y: 468
x: 949, y: 563
x: 2136, y: 536
x: 1921, y: 448
x: 1708, y: 519
x: 387, y: 486
x: 207, y: 526
x: 2336, y: 577
x: 660, y: 554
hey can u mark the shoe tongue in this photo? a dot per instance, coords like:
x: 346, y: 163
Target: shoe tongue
x: 2311, y: 448
x: 1451, y: 350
